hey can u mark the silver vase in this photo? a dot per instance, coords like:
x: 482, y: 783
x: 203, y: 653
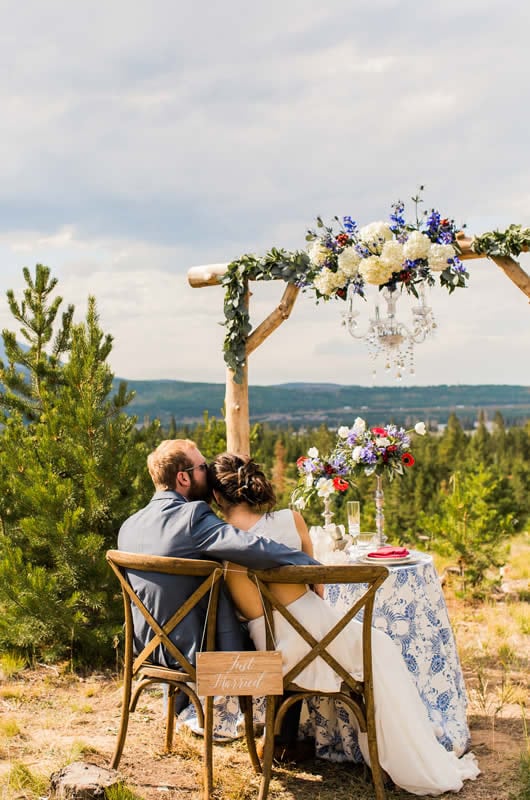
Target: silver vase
x: 379, y: 513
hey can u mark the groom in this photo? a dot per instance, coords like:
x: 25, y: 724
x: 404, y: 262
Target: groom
x: 178, y: 522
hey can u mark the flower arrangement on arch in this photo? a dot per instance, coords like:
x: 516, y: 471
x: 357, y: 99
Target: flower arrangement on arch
x: 389, y: 254
x: 379, y: 451
x: 319, y: 476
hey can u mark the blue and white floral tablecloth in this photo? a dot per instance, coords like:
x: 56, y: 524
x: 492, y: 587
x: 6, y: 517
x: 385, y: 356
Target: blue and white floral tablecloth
x: 410, y: 608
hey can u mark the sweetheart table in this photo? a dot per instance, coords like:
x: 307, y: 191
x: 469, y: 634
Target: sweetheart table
x: 410, y: 608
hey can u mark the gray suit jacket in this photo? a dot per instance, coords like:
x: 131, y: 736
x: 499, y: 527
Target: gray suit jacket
x: 171, y: 526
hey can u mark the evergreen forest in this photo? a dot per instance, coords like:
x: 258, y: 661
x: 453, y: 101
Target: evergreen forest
x: 73, y: 467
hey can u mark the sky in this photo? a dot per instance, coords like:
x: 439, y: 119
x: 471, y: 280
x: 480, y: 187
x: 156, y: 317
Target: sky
x: 139, y: 139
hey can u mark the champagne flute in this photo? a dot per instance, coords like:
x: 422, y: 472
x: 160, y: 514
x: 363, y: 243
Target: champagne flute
x: 353, y: 512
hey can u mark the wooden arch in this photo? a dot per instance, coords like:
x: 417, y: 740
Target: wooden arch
x: 236, y: 397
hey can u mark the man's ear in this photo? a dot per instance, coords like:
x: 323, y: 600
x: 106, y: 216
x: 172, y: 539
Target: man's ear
x: 182, y: 480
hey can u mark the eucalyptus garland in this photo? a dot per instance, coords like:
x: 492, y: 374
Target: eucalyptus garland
x: 294, y: 268
x: 511, y: 242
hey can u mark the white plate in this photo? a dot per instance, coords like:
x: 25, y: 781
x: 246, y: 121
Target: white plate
x: 390, y: 560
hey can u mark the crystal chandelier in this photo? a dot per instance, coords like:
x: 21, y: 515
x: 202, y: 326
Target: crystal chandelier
x: 386, y: 336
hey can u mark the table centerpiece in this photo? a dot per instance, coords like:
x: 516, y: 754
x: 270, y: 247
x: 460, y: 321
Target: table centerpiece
x: 374, y: 451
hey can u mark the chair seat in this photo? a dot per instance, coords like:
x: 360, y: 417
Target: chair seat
x: 164, y: 673
x: 358, y: 688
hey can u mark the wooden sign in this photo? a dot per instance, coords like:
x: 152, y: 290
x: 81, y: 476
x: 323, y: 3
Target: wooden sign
x: 240, y: 673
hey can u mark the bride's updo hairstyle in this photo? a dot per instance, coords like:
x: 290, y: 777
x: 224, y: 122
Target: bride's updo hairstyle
x: 238, y: 479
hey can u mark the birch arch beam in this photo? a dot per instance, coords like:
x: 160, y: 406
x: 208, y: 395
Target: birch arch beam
x: 237, y: 416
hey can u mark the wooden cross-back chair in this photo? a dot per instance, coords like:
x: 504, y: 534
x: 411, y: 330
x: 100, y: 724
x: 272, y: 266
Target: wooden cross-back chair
x: 208, y: 575
x: 356, y: 695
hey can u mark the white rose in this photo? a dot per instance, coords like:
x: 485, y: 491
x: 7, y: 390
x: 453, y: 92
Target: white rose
x: 374, y: 271
x: 318, y: 253
x: 348, y: 261
x: 375, y: 235
x: 343, y: 432
x: 392, y: 255
x: 359, y: 426
x: 420, y: 429
x: 325, y: 487
x: 312, y: 452
x: 382, y: 441
x: 417, y: 245
x: 439, y: 254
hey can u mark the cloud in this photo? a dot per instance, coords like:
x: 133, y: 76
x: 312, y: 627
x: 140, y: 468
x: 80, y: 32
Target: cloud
x: 141, y: 140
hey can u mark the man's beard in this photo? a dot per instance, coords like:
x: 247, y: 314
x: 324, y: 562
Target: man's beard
x: 198, y: 491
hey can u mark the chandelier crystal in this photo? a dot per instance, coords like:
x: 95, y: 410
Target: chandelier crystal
x: 387, y: 337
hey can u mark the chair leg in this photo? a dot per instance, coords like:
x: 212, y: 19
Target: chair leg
x: 268, y: 753
x: 208, y: 747
x: 170, y: 721
x: 245, y: 704
x: 377, y: 772
x: 124, y: 721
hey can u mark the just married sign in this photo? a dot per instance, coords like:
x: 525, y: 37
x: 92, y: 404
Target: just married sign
x: 240, y: 673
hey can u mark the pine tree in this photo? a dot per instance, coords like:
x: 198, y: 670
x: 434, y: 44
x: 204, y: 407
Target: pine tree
x: 472, y: 524
x: 71, y: 469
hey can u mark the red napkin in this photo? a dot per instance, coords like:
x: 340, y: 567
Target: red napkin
x: 389, y: 552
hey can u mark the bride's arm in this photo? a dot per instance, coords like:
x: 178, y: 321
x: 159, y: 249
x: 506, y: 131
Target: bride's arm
x: 306, y: 545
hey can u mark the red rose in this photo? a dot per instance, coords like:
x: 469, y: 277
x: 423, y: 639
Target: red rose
x: 391, y: 448
x: 343, y: 239
x: 407, y: 459
x: 341, y: 293
x: 379, y: 431
x: 300, y: 461
x: 340, y: 485
x: 328, y: 469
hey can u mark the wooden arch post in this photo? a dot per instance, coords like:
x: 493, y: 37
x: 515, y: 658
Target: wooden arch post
x: 237, y: 414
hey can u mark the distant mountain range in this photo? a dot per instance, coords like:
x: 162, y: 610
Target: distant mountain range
x: 328, y: 403
x: 316, y: 403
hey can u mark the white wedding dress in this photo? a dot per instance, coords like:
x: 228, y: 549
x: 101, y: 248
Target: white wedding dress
x: 408, y: 748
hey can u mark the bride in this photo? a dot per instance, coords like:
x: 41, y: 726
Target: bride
x: 408, y: 748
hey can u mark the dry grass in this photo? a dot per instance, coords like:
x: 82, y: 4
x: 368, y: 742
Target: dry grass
x: 50, y: 717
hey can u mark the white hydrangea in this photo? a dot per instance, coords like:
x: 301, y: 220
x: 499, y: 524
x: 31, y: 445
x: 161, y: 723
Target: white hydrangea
x: 439, y: 254
x: 374, y: 271
x: 348, y: 261
x: 417, y: 245
x: 317, y: 253
x: 375, y: 235
x: 392, y: 255
x: 327, y: 281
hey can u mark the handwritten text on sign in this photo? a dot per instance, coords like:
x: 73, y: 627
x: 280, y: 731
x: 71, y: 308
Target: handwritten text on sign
x: 241, y: 673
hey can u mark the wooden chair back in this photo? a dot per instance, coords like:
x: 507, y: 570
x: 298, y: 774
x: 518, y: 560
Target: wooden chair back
x: 206, y: 581
x: 356, y: 695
